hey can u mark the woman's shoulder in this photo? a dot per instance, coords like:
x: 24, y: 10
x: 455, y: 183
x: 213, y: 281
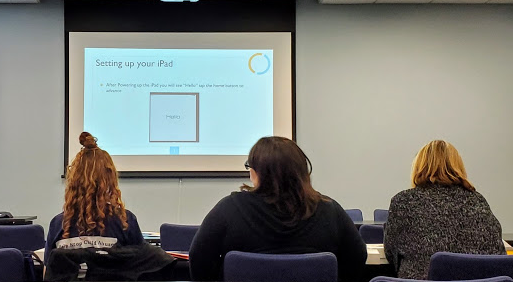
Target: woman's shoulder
x: 416, y: 192
x: 409, y: 197
x: 57, y: 220
x: 241, y: 199
x: 55, y: 228
x: 130, y: 216
x: 441, y: 194
x: 328, y: 203
x: 240, y: 196
x: 227, y: 202
x: 58, y: 216
x: 410, y: 192
x: 479, y: 196
x: 476, y: 197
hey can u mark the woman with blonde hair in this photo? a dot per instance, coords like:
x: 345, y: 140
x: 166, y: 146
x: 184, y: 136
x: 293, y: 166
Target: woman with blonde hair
x: 94, y: 215
x: 442, y: 213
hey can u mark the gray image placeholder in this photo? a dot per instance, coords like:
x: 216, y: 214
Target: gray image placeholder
x: 174, y: 117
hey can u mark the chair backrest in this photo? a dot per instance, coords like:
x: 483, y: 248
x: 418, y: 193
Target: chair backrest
x: 355, y: 214
x: 176, y: 237
x: 253, y: 267
x: 393, y: 279
x: 380, y: 215
x: 29, y: 237
x: 11, y: 265
x: 372, y: 233
x: 452, y: 266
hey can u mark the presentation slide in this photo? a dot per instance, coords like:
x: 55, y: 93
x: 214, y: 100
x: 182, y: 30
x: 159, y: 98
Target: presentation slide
x: 179, y: 101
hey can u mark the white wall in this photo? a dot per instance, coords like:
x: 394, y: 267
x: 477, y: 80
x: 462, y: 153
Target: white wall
x: 31, y: 109
x: 377, y: 82
x: 32, y: 130
x: 374, y: 83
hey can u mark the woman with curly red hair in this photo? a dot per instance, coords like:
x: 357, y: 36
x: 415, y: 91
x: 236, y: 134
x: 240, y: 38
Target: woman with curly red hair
x: 94, y: 215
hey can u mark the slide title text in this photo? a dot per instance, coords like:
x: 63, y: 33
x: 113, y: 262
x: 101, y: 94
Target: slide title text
x: 137, y: 64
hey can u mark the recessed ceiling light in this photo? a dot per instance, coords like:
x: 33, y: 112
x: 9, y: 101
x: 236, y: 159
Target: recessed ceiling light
x: 179, y: 0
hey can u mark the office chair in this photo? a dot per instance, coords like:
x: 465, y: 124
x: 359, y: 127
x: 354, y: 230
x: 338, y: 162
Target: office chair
x: 355, y: 214
x: 394, y: 279
x: 380, y: 215
x: 372, y: 234
x: 29, y: 237
x: 253, y: 267
x: 11, y: 265
x: 453, y: 266
x: 175, y: 237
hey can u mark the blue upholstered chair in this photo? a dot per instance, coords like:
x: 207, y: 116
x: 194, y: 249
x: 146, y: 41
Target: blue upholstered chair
x: 372, y: 234
x: 176, y: 237
x: 355, y: 214
x: 29, y: 237
x: 380, y: 215
x: 393, y: 279
x: 452, y: 266
x: 11, y: 265
x: 253, y: 267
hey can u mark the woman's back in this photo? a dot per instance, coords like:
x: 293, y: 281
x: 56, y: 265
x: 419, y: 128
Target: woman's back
x: 434, y: 218
x: 257, y: 227
x: 243, y: 221
x: 112, y: 234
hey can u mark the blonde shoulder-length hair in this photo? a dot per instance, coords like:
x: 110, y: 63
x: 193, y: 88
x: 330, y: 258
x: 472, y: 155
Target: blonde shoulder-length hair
x: 439, y: 162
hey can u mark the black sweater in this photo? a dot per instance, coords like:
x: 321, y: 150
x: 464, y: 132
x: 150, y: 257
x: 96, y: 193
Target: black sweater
x: 244, y: 222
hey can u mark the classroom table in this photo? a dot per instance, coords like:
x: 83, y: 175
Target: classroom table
x: 358, y: 224
x: 18, y: 220
x: 376, y: 263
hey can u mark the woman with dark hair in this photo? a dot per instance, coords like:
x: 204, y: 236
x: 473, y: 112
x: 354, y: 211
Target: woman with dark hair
x: 442, y: 212
x: 281, y: 213
x: 94, y: 215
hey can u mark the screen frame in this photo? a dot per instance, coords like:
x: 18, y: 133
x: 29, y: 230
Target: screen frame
x: 153, y: 16
x: 282, y: 118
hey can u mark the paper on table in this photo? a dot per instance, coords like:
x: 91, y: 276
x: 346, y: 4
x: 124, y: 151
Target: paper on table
x: 40, y: 253
x: 150, y: 233
x: 373, y: 256
x: 378, y: 247
x: 179, y: 254
x: 509, y: 249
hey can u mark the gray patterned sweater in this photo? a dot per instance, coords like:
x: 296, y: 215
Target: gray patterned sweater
x: 426, y: 220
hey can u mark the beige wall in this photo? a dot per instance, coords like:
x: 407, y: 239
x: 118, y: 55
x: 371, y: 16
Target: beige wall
x: 377, y: 82
x: 374, y: 83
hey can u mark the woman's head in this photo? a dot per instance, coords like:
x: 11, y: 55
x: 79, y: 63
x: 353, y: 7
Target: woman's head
x: 92, y: 191
x: 439, y: 162
x: 280, y: 173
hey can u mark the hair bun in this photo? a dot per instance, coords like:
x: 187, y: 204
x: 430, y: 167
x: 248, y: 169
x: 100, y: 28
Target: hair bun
x: 87, y: 140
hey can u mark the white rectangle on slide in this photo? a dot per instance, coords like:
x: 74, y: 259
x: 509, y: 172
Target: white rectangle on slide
x: 174, y: 117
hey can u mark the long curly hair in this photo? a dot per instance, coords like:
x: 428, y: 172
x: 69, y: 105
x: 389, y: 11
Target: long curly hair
x: 92, y: 193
